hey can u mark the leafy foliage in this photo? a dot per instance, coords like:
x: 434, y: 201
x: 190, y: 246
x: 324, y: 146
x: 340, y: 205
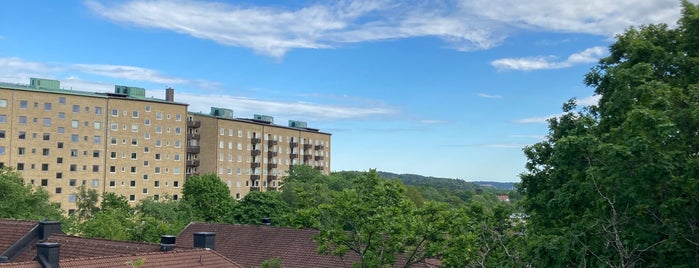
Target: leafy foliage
x: 19, y: 201
x: 208, y: 197
x: 616, y: 184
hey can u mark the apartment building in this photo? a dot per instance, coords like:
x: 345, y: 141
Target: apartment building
x: 252, y: 154
x: 121, y: 142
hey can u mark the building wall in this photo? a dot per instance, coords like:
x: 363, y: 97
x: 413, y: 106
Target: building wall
x: 249, y: 155
x: 60, y: 139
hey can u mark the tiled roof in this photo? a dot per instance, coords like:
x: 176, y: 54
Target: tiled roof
x: 13, y: 230
x: 165, y: 259
x: 250, y: 245
x: 78, y: 247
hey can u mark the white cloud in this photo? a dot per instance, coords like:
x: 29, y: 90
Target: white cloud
x: 536, y: 120
x: 432, y: 122
x: 488, y: 96
x: 127, y: 72
x: 590, y: 100
x: 464, y: 25
x: 589, y: 55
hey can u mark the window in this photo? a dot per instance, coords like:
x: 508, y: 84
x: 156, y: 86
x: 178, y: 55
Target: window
x: 3, y: 119
x: 147, y: 108
x: 156, y: 184
x: 95, y: 168
x: 61, y: 130
x: 240, y: 133
x: 145, y: 177
x: 59, y: 145
x: 95, y: 183
x: 59, y: 190
x: 73, y: 167
x: 21, y: 151
x: 112, y: 169
x: 47, y: 136
x: 75, y: 123
x: 176, y: 170
x: 132, y: 183
x: 158, y: 116
x: 132, y: 198
x: 61, y: 115
x: 146, y: 122
x: 134, y: 114
x: 133, y: 169
x: 22, y: 120
x: 146, y: 149
x: 74, y: 138
x: 156, y: 171
x: 23, y: 104
x: 178, y: 117
x: 59, y: 160
x: 97, y: 139
x: 178, y: 131
x: 158, y: 129
x: 71, y: 199
x: 2, y: 134
x: 44, y: 167
x: 2, y: 150
x: 134, y: 128
x: 20, y: 166
x: 22, y: 135
x: 59, y: 175
x: 178, y: 144
x: 47, y: 106
x: 158, y: 143
x: 115, y: 112
x: 45, y: 151
x: 146, y: 136
x: 97, y: 125
x: 176, y: 184
x: 46, y: 121
x: 112, y: 184
x: 72, y: 182
x: 145, y: 191
x: 175, y: 197
x: 98, y: 110
x: 76, y: 108
x: 73, y: 152
x: 134, y: 141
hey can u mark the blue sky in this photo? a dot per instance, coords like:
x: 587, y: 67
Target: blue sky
x: 439, y: 88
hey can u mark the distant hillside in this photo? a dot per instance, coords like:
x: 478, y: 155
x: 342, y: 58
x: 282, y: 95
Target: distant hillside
x: 496, y: 185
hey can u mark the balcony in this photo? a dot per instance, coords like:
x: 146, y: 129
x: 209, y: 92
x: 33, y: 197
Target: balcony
x: 293, y: 144
x: 272, y: 143
x: 192, y: 163
x: 193, y: 124
x: 192, y: 174
x: 319, y: 168
x: 254, y: 165
x: 307, y: 157
x: 319, y: 157
x: 254, y: 188
x: 255, y: 177
x: 255, y: 152
x: 292, y: 156
x: 255, y: 140
x: 271, y: 177
x: 271, y: 165
x: 192, y: 149
x: 272, y: 154
x: 307, y: 146
x: 320, y: 147
x: 193, y: 136
x: 272, y: 188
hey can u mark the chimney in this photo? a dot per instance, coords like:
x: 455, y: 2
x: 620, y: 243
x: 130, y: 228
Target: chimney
x: 169, y: 94
x: 48, y: 254
x: 4, y: 259
x: 266, y: 221
x: 167, y: 242
x: 46, y: 228
x: 205, y: 240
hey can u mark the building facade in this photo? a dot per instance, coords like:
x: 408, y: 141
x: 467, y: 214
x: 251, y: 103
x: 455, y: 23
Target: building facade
x: 139, y: 147
x: 120, y: 142
x: 252, y: 154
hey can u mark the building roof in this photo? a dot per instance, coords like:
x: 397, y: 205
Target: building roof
x: 12, y: 230
x: 79, y: 247
x: 251, y: 245
x: 165, y: 259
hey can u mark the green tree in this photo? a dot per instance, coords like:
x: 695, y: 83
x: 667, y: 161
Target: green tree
x: 208, y: 197
x: 86, y: 200
x: 19, y: 201
x: 258, y: 205
x: 113, y: 201
x: 616, y: 184
x: 111, y: 224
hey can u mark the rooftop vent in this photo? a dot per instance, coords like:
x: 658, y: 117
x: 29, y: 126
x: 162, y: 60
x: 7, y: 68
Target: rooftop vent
x: 167, y: 242
x: 264, y: 118
x: 297, y: 124
x: 221, y: 112
x: 130, y: 91
x: 40, y: 83
x: 266, y: 221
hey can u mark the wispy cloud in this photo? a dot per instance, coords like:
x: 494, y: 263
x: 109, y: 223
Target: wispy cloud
x: 589, y: 55
x: 590, y: 100
x: 432, y: 122
x: 535, y: 120
x: 488, y: 96
x: 463, y: 25
x: 17, y: 70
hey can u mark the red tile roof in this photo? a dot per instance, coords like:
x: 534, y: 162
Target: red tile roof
x: 250, y: 245
x: 78, y: 247
x: 13, y: 230
x: 164, y: 259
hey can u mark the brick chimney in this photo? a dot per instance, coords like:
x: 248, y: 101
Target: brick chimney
x: 47, y: 254
x: 169, y: 94
x: 46, y: 228
x: 204, y: 240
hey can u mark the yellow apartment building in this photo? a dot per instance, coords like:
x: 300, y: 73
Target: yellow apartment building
x: 119, y: 142
x: 252, y: 154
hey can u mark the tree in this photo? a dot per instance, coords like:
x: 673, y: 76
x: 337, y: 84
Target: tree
x: 616, y: 184
x: 113, y: 201
x: 86, y: 201
x: 258, y: 205
x: 19, y: 201
x: 208, y: 197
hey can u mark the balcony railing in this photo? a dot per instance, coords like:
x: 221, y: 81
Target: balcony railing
x: 320, y: 147
x: 193, y: 124
x: 255, y: 152
x: 192, y: 163
x: 292, y: 156
x: 307, y: 157
x: 271, y: 177
x: 255, y: 140
x: 319, y: 168
x: 254, y: 165
x: 192, y: 149
x: 193, y: 136
x: 293, y: 144
x: 271, y: 165
x: 307, y: 146
x: 272, y: 154
x: 272, y: 143
x: 254, y: 188
x: 254, y: 177
x: 272, y: 188
x: 319, y: 157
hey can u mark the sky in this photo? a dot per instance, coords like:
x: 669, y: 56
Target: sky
x: 449, y: 89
